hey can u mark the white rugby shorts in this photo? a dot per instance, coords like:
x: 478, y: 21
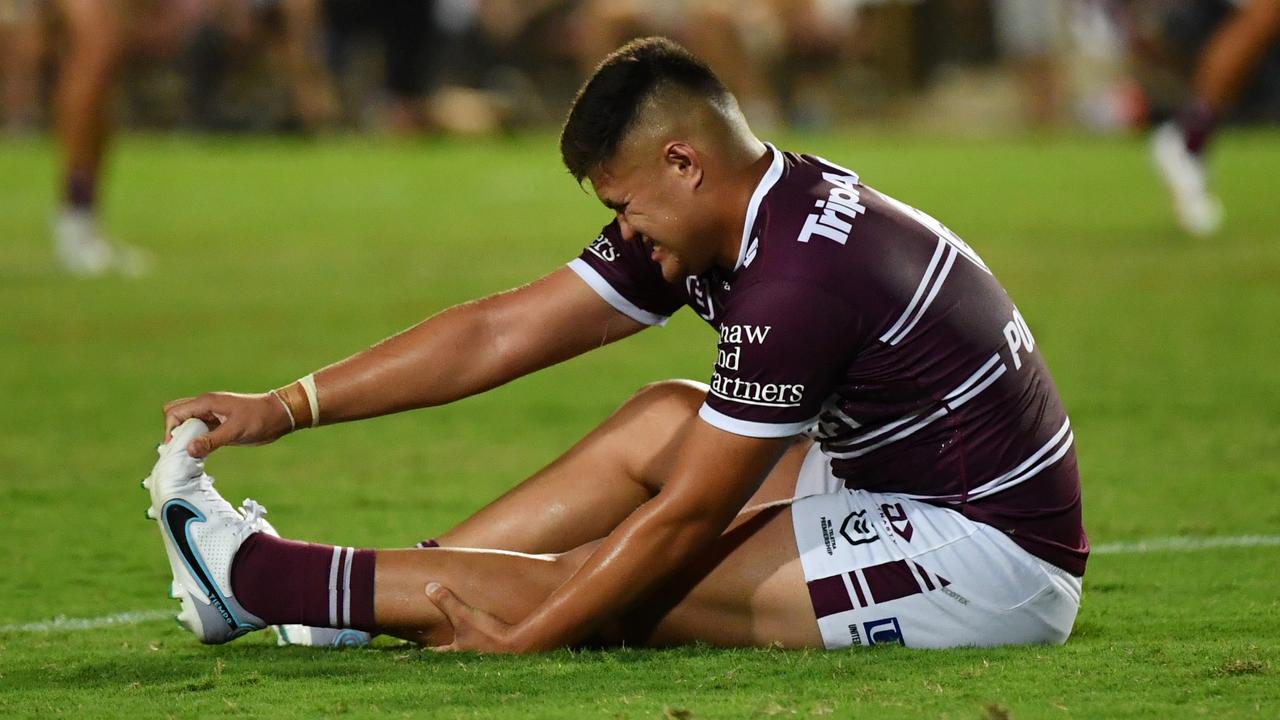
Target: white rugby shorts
x: 882, y: 568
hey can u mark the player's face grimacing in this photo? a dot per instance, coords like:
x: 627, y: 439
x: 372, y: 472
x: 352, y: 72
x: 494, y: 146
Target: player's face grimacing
x: 655, y: 197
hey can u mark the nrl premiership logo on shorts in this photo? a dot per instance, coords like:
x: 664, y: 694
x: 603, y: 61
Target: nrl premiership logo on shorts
x: 857, y: 530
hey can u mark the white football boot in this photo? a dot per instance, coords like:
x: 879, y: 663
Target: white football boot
x: 1198, y: 211
x: 201, y: 533
x: 83, y: 250
x: 255, y: 514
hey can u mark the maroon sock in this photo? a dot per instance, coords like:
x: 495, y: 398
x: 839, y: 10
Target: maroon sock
x: 80, y: 189
x: 285, y: 582
x: 1198, y: 122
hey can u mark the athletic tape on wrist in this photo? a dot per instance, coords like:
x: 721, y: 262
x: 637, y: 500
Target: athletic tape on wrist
x: 293, y: 424
x: 309, y: 387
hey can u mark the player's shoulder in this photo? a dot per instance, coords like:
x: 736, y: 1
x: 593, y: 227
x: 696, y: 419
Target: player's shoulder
x: 820, y: 224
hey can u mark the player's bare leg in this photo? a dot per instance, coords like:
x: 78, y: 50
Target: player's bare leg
x: 586, y: 492
x: 300, y: 48
x: 748, y: 590
x: 96, y: 46
x: 1224, y: 65
x: 1234, y: 51
x: 22, y: 48
x: 95, y: 49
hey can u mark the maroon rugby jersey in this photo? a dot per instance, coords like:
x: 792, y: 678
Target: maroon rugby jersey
x: 871, y: 327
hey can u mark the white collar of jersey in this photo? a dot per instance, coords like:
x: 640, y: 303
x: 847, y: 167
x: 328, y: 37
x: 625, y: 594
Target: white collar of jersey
x: 765, y: 185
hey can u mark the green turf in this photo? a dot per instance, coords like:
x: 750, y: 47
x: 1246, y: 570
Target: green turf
x: 276, y: 257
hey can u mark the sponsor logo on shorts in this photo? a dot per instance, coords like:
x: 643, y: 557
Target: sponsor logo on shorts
x: 855, y: 637
x: 857, y: 530
x: 885, y: 631
x: 896, y: 516
x: 828, y: 534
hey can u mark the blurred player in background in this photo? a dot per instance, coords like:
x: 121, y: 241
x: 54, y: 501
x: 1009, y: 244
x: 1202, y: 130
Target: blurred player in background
x: 98, y: 38
x: 743, y: 41
x: 881, y: 455
x: 22, y: 51
x: 1222, y: 68
x: 290, y: 33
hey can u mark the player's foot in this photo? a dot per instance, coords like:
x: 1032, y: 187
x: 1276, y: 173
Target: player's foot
x: 201, y: 533
x: 255, y: 514
x: 1198, y: 211
x: 83, y: 250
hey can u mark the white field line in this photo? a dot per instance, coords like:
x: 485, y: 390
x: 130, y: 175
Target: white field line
x: 1167, y: 544
x: 65, y: 623
x: 1185, y: 544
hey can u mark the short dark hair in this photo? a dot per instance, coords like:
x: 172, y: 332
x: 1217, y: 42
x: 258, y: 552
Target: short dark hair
x: 608, y: 102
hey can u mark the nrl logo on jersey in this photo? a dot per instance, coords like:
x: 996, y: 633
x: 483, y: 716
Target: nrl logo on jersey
x: 834, y: 216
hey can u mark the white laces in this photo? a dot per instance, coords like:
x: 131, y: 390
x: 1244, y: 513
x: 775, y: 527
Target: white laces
x: 253, y: 512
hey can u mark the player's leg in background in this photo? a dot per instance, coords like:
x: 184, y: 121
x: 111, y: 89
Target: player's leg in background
x: 22, y: 47
x: 1226, y: 63
x: 586, y: 492
x: 1222, y: 68
x: 95, y: 47
x: 301, y: 47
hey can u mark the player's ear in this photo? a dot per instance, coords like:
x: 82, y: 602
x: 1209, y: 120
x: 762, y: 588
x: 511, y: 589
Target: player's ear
x: 683, y: 160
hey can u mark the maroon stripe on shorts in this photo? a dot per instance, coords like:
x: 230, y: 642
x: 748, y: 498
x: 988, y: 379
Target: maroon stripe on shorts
x: 890, y: 581
x: 857, y: 588
x: 924, y: 576
x: 829, y: 596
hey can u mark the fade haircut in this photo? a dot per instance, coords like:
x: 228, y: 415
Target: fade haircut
x: 607, y: 105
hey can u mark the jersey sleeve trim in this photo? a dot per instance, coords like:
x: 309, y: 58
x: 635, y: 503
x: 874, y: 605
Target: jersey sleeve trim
x: 766, y: 184
x: 610, y: 295
x: 752, y: 429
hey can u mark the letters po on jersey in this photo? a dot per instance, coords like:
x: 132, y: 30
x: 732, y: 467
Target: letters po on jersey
x: 873, y: 328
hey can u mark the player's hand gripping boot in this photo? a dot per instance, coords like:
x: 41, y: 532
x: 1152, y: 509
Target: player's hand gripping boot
x: 201, y: 533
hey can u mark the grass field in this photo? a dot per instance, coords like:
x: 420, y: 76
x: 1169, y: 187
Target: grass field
x: 274, y: 258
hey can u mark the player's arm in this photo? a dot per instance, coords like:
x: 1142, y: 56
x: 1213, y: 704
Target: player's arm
x: 715, y: 474
x: 459, y: 352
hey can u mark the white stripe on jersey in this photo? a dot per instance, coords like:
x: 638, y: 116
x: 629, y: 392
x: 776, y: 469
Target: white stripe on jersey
x: 771, y: 177
x: 1030, y: 467
x: 610, y: 295
x: 910, y: 430
x: 1024, y: 471
x: 930, y: 283
x: 949, y: 245
x: 749, y: 428
x: 990, y: 371
x: 942, y: 231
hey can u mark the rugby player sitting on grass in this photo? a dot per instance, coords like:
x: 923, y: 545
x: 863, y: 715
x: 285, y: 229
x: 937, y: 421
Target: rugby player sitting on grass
x: 881, y: 455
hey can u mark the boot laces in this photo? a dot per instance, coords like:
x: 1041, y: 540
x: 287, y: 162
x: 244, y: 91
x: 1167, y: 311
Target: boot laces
x: 253, y: 512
